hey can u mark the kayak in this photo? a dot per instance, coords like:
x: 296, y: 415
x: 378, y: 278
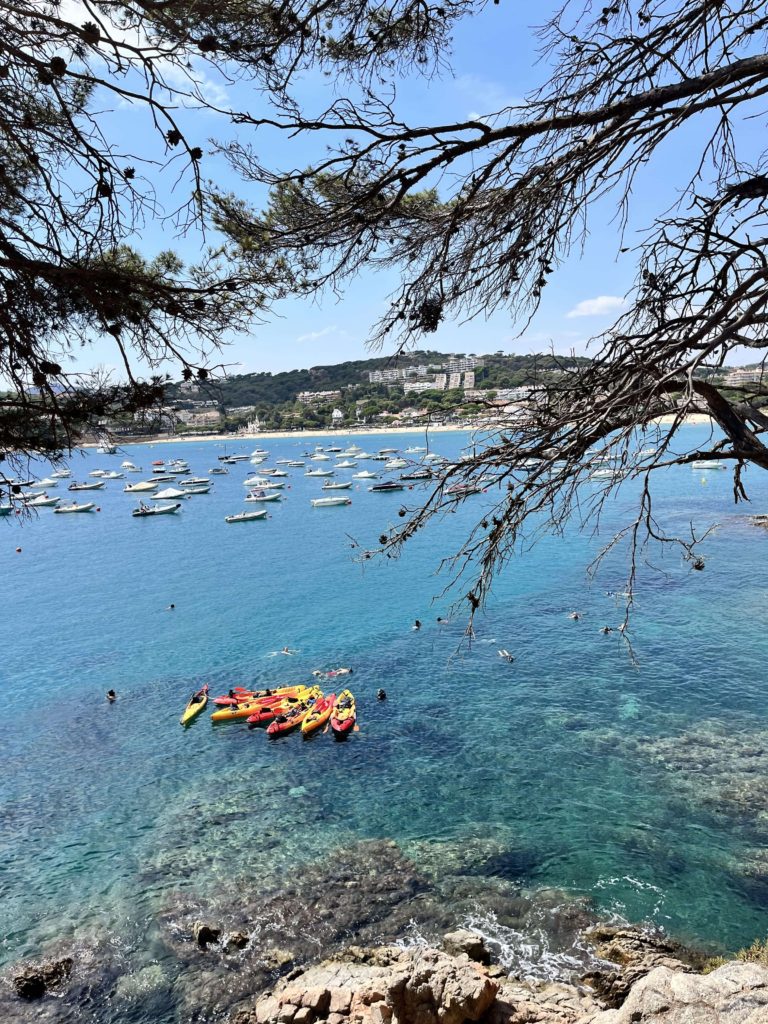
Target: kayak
x: 195, y: 705
x: 268, y: 711
x: 248, y: 707
x: 344, y: 715
x: 242, y: 695
x: 319, y: 714
x: 289, y: 720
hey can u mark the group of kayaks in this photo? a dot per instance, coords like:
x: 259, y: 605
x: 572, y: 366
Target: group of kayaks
x: 281, y: 710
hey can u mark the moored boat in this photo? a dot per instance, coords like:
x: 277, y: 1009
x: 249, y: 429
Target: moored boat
x: 142, y: 485
x: 341, y: 499
x: 319, y: 472
x: 97, y: 485
x: 258, y: 495
x: 247, y: 516
x: 388, y: 485
x: 74, y: 507
x: 365, y: 474
x: 329, y: 485
x: 195, y: 705
x: 42, y: 501
x: 155, y: 510
x: 708, y: 464
x: 344, y: 715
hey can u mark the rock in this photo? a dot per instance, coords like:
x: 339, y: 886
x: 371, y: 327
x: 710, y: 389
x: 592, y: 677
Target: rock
x: 465, y: 941
x: 35, y: 979
x: 545, y: 1002
x: 204, y: 935
x: 235, y: 940
x: 414, y: 986
x: 736, y: 993
x: 634, y: 953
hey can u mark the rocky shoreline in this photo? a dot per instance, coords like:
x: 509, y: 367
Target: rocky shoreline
x: 643, y: 980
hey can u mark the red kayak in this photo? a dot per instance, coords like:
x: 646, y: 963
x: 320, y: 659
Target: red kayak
x: 288, y: 720
x: 242, y: 695
x: 344, y: 715
x: 271, y: 707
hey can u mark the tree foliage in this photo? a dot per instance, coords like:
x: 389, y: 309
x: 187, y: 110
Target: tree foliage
x: 475, y: 215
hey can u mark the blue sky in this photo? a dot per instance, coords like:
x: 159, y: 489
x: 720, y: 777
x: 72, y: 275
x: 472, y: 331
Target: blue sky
x: 495, y: 62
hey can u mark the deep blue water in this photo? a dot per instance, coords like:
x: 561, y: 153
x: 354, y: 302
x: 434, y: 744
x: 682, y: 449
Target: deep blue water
x: 101, y: 804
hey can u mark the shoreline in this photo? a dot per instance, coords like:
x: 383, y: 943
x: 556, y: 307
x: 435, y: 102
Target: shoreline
x: 693, y: 419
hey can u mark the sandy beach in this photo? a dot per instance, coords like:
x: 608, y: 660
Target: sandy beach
x: 693, y: 419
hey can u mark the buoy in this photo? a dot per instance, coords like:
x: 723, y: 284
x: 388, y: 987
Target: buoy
x: 98, y: 508
x: 18, y: 551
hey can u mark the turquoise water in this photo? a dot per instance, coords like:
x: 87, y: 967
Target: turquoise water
x: 110, y: 812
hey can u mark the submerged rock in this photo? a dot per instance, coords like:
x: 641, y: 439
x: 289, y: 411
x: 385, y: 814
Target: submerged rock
x: 33, y: 980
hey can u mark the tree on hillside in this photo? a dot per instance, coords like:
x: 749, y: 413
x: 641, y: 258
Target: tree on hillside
x: 477, y: 215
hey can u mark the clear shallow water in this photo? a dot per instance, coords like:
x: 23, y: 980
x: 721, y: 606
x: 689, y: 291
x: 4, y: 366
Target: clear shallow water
x: 107, y: 809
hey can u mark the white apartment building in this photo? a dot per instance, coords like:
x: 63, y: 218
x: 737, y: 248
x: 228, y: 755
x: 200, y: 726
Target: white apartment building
x: 318, y: 397
x: 736, y: 378
x: 419, y: 385
x: 454, y: 381
x: 469, y: 379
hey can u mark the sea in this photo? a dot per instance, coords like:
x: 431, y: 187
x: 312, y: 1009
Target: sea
x: 625, y: 779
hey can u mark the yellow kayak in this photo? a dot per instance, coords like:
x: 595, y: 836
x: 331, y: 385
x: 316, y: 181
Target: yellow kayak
x: 344, y: 715
x: 248, y: 707
x: 195, y: 705
x: 319, y: 714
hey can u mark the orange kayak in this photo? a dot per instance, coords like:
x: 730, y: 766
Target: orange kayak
x: 290, y: 719
x: 319, y: 715
x: 250, y: 706
x: 241, y: 694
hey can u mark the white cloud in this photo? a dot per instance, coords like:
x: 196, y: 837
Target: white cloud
x: 315, y: 335
x: 603, y: 305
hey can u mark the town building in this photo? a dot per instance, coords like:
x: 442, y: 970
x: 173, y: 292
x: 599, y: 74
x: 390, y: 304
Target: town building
x: 318, y: 397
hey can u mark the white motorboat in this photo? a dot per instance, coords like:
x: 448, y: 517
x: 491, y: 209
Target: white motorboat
x: 379, y: 458
x: 329, y: 486
x: 195, y: 481
x: 95, y: 486
x: 296, y: 463
x: 234, y: 458
x: 282, y: 462
x: 256, y: 481
x: 347, y: 464
x: 365, y: 474
x: 274, y: 472
x: 170, y: 493
x: 414, y: 449
x: 599, y: 474
x: 106, y: 449
x: 257, y: 460
x: 218, y: 471
x: 142, y: 485
x: 320, y: 457
x: 388, y: 451
x: 155, y: 510
x: 433, y: 458
x: 396, y: 464
x: 61, y: 474
x: 129, y: 467
x: 113, y: 475
x: 258, y: 451
x: 342, y: 499
x: 98, y: 472
x: 177, y: 470
x: 198, y: 489
x: 74, y: 507
x: 41, y: 501
x: 263, y: 496
x: 246, y: 517
x: 332, y: 448
x: 47, y: 481
x: 165, y: 478
x: 708, y: 464
x: 319, y: 472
